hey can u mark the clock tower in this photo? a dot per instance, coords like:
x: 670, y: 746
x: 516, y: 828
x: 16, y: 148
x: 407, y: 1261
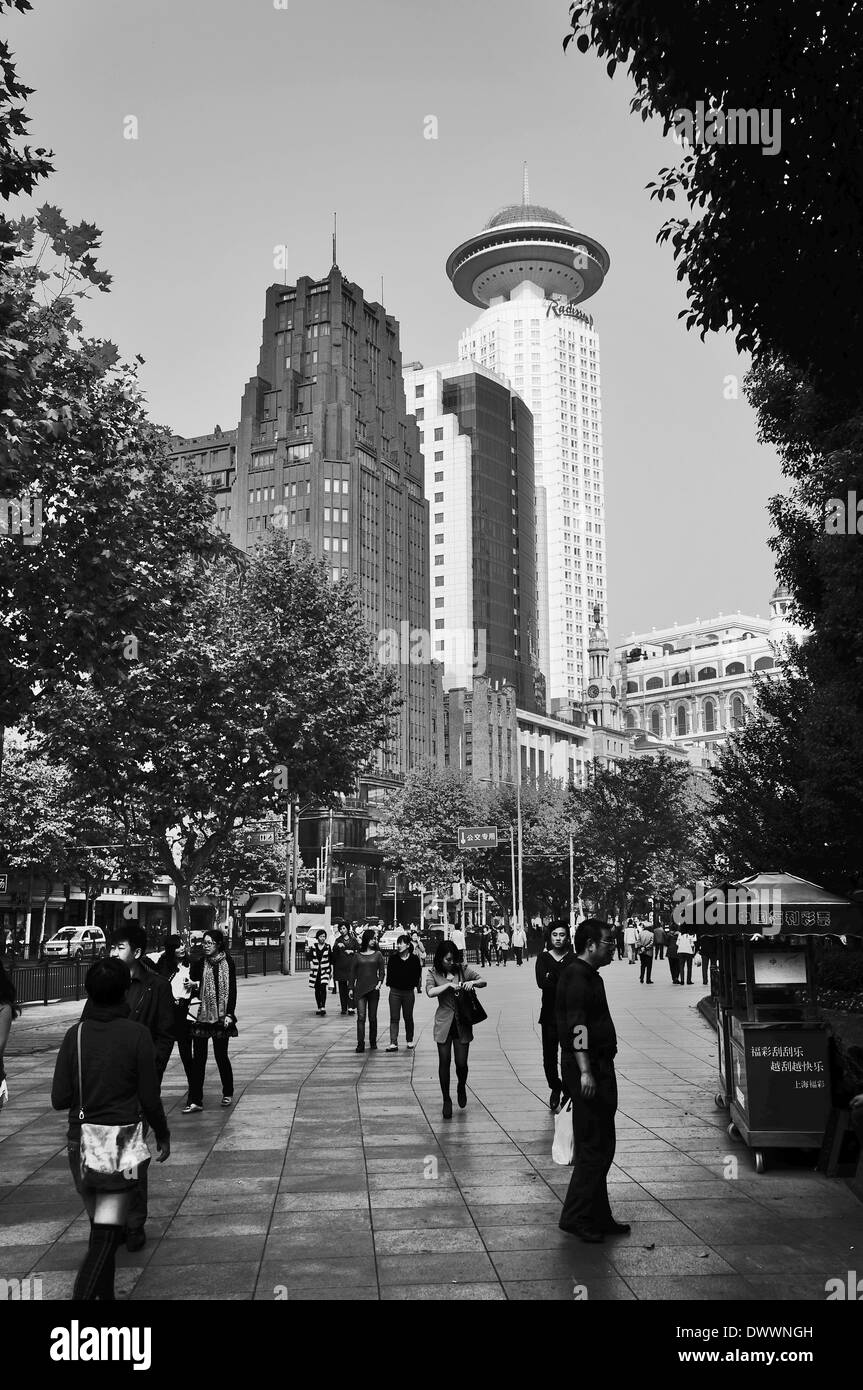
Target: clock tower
x: 602, y: 703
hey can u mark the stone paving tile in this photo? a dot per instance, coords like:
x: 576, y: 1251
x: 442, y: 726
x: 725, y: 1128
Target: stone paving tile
x: 283, y: 1222
x: 564, y: 1290
x: 444, y: 1216
x: 714, y: 1288
x: 458, y: 1267
x: 198, y: 1281
x: 695, y: 1261
x: 444, y: 1293
x: 423, y: 1242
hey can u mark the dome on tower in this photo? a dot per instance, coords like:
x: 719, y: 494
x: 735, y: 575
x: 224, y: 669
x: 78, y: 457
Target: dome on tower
x: 781, y: 591
x: 521, y: 213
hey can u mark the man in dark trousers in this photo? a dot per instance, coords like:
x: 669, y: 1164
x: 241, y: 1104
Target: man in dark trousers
x: 588, y: 1047
x: 150, y: 1001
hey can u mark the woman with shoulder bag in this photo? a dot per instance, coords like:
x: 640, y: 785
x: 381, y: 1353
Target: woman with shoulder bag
x: 216, y: 979
x: 444, y: 982
x: 105, y: 1075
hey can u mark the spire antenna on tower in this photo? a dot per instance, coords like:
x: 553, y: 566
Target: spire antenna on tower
x: 525, y: 188
x: 335, y: 262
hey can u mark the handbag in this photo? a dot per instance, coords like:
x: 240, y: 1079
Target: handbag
x: 563, y: 1146
x: 468, y: 1008
x: 112, y: 1157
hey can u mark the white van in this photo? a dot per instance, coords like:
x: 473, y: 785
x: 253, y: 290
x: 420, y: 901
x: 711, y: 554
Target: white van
x: 77, y: 942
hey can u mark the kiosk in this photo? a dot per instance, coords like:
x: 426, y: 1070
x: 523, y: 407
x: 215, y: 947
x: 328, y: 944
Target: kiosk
x: 773, y: 1048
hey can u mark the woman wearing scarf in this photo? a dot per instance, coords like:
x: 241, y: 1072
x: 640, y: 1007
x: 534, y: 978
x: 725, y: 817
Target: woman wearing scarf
x: 320, y: 970
x: 216, y: 979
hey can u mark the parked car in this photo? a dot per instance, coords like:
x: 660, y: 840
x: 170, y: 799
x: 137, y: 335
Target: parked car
x: 77, y: 942
x: 387, y: 940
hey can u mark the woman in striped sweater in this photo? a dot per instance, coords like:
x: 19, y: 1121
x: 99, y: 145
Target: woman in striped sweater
x: 320, y: 970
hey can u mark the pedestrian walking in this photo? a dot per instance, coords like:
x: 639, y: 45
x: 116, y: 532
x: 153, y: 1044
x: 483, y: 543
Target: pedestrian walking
x: 417, y: 946
x: 174, y: 966
x: 320, y: 959
x: 630, y: 938
x: 9, y: 1011
x: 671, y: 955
x: 588, y: 1045
x: 404, y: 978
x: 215, y: 977
x: 685, y: 955
x: 106, y: 1074
x: 445, y: 980
x: 151, y: 1003
x: 345, y: 947
x: 518, y: 941
x: 549, y: 964
x: 502, y: 945
x: 659, y: 942
x: 368, y: 969
x: 619, y: 941
x: 457, y: 937
x: 702, y: 956
x: 485, y: 945
x: 645, y: 955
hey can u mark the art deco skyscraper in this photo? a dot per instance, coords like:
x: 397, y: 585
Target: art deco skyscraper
x: 529, y: 270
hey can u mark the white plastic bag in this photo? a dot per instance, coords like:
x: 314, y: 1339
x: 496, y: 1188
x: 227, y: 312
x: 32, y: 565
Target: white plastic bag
x: 563, y: 1148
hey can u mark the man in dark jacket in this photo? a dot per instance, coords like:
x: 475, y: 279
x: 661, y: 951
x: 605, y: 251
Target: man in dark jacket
x: 150, y: 1001
x: 345, y: 947
x: 588, y: 1045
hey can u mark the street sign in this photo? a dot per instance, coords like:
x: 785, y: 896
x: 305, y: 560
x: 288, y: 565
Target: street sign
x: 260, y: 837
x: 477, y: 837
x: 3, y: 882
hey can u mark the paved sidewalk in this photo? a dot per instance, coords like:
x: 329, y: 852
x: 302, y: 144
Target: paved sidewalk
x: 335, y: 1177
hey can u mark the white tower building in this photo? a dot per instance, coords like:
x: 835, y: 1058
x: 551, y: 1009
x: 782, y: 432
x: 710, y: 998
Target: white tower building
x: 528, y: 270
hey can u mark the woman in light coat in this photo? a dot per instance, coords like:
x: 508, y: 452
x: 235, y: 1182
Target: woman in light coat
x: 446, y: 979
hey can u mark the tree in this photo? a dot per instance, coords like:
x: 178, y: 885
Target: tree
x: 780, y: 803
x: 94, y: 518
x: 266, y: 686
x: 758, y: 217
x: 633, y: 823
x: 419, y: 829
x: 240, y: 866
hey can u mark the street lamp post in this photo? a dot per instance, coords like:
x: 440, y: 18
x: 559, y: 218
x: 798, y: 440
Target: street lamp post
x: 571, y: 887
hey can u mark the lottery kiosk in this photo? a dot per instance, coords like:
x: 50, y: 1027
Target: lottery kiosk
x: 773, y: 1048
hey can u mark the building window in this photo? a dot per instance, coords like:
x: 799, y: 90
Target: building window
x: 656, y: 722
x: 734, y: 668
x: 680, y: 719
x: 655, y: 683
x: 420, y: 392
x: 709, y: 716
x: 421, y: 415
x: 738, y: 712
x: 438, y: 434
x: 707, y: 673
x: 763, y: 663
x: 438, y: 497
x: 439, y: 581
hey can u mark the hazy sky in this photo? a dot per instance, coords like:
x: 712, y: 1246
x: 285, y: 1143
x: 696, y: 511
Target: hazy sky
x: 255, y: 123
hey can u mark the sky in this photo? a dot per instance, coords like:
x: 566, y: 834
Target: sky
x: 256, y: 123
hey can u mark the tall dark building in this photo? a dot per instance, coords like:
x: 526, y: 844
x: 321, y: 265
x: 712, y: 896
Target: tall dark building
x: 477, y: 436
x: 326, y: 449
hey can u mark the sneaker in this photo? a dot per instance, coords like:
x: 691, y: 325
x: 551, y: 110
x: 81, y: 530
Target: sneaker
x: 191, y: 1108
x: 361, y: 1047
x: 461, y: 1097
x: 391, y: 1047
x: 373, y: 1047
x: 227, y: 1100
x: 447, y: 1109
x: 411, y: 1046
